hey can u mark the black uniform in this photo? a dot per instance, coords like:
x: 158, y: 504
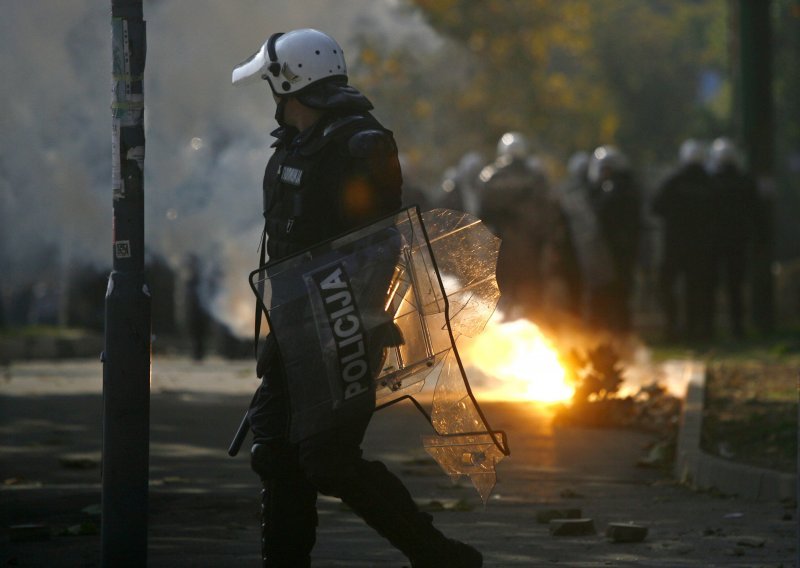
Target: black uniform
x: 341, y: 173
x: 616, y: 201
x: 518, y: 206
x: 685, y: 204
x: 736, y: 212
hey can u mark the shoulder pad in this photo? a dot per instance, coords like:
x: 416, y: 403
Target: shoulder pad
x: 337, y: 131
x: 367, y: 142
x: 341, y: 123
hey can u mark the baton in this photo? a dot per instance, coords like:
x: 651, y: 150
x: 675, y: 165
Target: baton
x: 238, y: 438
x: 268, y: 355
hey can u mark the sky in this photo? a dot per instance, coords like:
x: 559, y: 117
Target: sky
x: 206, y: 142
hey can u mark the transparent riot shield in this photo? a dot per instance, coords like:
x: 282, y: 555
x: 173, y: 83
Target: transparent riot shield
x: 369, y: 317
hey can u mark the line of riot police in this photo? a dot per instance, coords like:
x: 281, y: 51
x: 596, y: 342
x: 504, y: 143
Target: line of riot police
x: 568, y: 251
x: 711, y: 214
x: 571, y: 251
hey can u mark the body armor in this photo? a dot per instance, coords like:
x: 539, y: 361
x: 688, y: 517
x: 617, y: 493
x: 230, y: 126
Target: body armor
x: 341, y: 174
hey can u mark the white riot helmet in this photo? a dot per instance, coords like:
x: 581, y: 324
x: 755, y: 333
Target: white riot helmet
x: 692, y: 152
x: 512, y: 145
x: 578, y: 164
x: 293, y: 61
x: 605, y: 161
x: 723, y: 153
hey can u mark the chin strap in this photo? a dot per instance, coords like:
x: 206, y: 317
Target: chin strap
x: 279, y: 111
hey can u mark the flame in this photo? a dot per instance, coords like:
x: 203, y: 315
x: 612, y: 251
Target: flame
x: 519, y: 362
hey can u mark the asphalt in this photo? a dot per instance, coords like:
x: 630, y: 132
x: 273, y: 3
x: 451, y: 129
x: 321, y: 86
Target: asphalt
x: 204, y: 504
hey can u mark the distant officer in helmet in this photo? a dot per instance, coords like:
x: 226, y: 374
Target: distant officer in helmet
x: 460, y: 185
x: 737, y: 220
x: 684, y: 203
x: 334, y: 168
x: 592, y: 268
x: 518, y: 205
x: 616, y: 200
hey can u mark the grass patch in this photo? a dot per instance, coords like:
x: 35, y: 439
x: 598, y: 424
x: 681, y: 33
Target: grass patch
x: 750, y: 412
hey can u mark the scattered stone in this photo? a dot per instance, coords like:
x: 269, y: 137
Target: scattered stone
x: 21, y: 481
x: 173, y: 479
x: 626, y: 532
x: 462, y: 505
x: 708, y: 531
x: 84, y: 529
x: 29, y: 532
x: 94, y: 510
x: 572, y: 527
x: 547, y: 515
x: 750, y: 541
x: 78, y: 461
x: 438, y: 505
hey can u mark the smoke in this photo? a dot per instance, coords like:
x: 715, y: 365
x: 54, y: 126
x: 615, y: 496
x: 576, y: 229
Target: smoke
x: 207, y: 142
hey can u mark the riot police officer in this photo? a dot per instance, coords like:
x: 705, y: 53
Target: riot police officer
x: 518, y: 206
x: 460, y: 185
x: 334, y: 167
x: 736, y: 216
x: 684, y: 202
x: 591, y: 269
x: 616, y: 200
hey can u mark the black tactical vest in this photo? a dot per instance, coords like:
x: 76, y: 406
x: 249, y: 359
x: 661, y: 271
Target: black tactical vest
x: 340, y: 174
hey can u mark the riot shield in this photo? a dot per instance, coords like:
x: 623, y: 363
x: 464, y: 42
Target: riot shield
x: 368, y: 317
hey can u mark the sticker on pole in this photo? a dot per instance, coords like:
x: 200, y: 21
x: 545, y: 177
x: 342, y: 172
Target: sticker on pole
x: 122, y: 249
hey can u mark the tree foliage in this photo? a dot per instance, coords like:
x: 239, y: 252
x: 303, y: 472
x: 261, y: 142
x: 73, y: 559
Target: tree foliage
x: 571, y: 74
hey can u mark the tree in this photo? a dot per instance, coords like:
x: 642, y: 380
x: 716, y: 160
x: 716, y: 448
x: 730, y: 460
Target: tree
x: 572, y: 74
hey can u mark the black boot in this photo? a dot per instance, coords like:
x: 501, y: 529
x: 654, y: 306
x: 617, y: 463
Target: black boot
x: 384, y: 503
x: 288, y: 507
x: 288, y: 527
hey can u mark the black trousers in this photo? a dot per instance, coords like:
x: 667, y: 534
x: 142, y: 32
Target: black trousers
x: 330, y: 463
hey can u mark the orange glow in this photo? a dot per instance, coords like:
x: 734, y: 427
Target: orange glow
x: 520, y: 363
x: 358, y: 199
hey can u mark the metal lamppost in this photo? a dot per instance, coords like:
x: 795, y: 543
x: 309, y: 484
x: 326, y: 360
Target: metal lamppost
x: 126, y: 358
x: 757, y: 126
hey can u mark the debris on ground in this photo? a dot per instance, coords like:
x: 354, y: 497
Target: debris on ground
x: 626, y: 532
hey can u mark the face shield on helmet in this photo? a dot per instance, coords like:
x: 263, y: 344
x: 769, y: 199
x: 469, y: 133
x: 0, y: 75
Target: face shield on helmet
x: 292, y: 61
x: 512, y: 145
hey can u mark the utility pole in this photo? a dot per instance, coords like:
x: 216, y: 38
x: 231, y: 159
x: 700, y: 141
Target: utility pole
x: 757, y: 126
x: 126, y: 358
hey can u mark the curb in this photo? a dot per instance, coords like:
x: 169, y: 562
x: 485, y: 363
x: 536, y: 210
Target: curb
x: 700, y: 470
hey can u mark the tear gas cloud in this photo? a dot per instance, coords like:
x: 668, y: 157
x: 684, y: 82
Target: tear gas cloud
x: 207, y: 142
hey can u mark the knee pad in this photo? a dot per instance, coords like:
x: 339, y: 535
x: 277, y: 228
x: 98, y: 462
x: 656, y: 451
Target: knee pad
x: 270, y: 459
